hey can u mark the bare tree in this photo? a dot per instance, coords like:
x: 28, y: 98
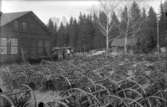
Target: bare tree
x: 107, y: 7
x: 133, y: 27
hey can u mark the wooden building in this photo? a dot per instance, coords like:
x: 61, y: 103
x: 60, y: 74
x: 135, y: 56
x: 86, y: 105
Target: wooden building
x: 117, y: 45
x: 22, y: 36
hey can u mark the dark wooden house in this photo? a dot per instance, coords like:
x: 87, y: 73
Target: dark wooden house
x: 22, y: 36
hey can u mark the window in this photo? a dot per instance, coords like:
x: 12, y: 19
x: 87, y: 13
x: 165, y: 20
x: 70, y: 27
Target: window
x: 13, y: 45
x: 3, y: 46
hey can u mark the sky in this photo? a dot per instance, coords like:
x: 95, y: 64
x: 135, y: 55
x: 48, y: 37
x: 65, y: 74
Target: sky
x: 59, y: 9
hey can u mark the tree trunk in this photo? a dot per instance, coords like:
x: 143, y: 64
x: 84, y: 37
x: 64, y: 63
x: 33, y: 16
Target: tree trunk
x: 158, y: 46
x: 125, y: 45
x: 107, y: 45
x: 126, y: 37
x: 107, y: 38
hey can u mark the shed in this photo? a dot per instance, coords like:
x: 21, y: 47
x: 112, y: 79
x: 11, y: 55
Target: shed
x: 117, y: 45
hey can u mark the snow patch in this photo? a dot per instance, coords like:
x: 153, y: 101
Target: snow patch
x: 94, y: 53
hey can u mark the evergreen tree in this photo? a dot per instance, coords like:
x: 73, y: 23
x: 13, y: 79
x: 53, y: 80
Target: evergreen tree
x: 135, y: 12
x: 54, y: 34
x: 135, y: 19
x: 51, y: 26
x: 124, y: 20
x: 149, y: 37
x: 91, y: 31
x: 61, y: 35
x: 85, y: 32
x: 141, y: 39
x: 99, y: 39
x: 53, y: 31
x: 75, y: 36
x: 144, y: 16
x: 131, y: 21
x: 163, y: 24
x: 152, y: 25
x: 103, y: 19
x: 66, y: 35
x: 115, y: 27
x: 73, y: 33
x: 81, y: 33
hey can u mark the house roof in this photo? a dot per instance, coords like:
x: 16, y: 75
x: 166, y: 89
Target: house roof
x: 119, y: 42
x: 6, y: 18
x: 9, y: 17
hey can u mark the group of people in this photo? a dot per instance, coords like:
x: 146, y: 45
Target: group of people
x: 62, y: 53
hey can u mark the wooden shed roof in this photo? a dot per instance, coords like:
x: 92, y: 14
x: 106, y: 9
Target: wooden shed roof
x: 119, y: 42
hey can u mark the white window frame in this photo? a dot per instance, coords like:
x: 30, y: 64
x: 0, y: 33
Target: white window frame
x: 13, y: 45
x: 3, y: 46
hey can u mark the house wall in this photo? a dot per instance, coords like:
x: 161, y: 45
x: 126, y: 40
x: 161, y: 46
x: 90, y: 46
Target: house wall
x: 6, y: 32
x: 34, y: 36
x: 31, y: 35
x: 120, y: 50
x: 117, y: 45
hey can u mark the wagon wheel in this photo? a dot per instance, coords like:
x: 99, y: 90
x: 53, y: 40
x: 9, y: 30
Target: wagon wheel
x: 144, y: 98
x: 32, y: 94
x: 55, y: 104
x: 16, y: 98
x: 80, y: 96
x: 19, y: 97
x: 3, y: 96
